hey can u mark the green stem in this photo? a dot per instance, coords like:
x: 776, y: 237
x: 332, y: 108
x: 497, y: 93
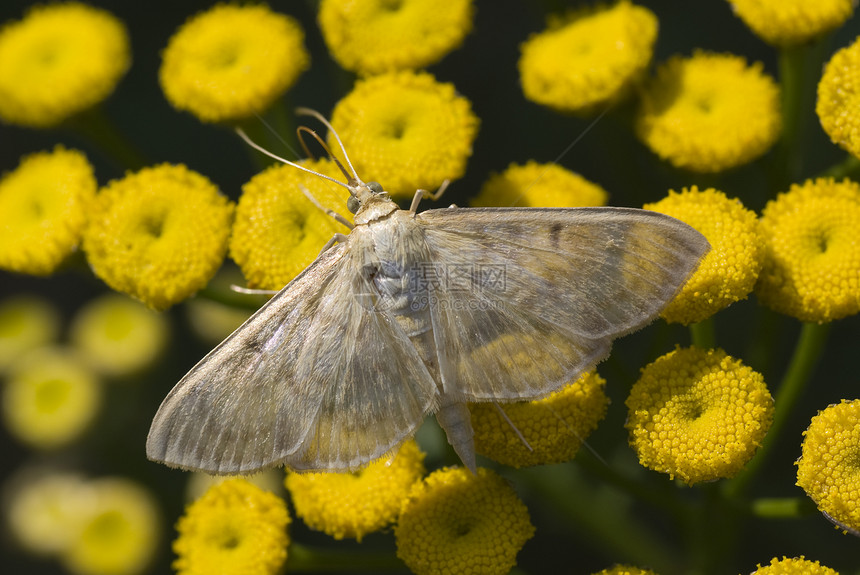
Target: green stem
x: 308, y: 559
x: 848, y: 168
x: 782, y: 507
x: 94, y: 126
x: 703, y: 334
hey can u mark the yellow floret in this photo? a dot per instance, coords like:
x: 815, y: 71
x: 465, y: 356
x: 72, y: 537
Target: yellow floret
x: 26, y: 323
x: 539, y: 185
x: 838, y: 105
x: 788, y: 22
x: 794, y: 566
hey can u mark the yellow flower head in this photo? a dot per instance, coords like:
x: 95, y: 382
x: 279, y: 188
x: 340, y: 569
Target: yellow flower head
x: 829, y: 467
x: 44, y: 206
x: 729, y: 271
x: 50, y: 399
x: 158, y: 234
x: 59, y: 60
x: 589, y: 57
x: 793, y: 566
x: 625, y: 570
x: 384, y: 36
x: 406, y: 131
x: 838, y: 105
x: 457, y: 522
x: 539, y: 185
x: 787, y: 22
x: 232, y: 62
x: 119, y: 336
x: 554, y: 426
x: 236, y: 528
x: 355, y: 504
x: 278, y: 231
x: 710, y: 112
x: 26, y: 323
x: 812, y: 257
x: 698, y: 414
x: 119, y: 531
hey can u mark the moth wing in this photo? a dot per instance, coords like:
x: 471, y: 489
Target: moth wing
x: 312, y: 379
x: 530, y: 298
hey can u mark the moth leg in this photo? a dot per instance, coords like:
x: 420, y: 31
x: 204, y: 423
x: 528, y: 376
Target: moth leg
x: 337, y: 217
x: 416, y: 199
x: 337, y: 238
x: 250, y: 291
x: 514, y: 427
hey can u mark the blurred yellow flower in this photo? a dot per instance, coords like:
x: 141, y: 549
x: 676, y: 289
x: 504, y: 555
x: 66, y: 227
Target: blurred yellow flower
x: 355, y: 504
x: 236, y: 528
x: 231, y: 62
x: 382, y: 36
x: 729, y: 271
x: 697, y: 414
x: 539, y: 185
x: 278, y: 232
x: 119, y: 336
x: 457, y: 522
x: 625, y: 570
x: 794, y: 566
x: 158, y: 234
x: 812, y: 257
x: 710, y: 112
x: 406, y: 131
x: 588, y: 58
x: 787, y: 22
x: 50, y: 398
x: 554, y: 426
x: 26, y: 323
x: 829, y: 469
x: 838, y: 105
x: 59, y: 60
x: 44, y: 206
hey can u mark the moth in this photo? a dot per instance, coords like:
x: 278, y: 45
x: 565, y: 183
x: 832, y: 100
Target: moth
x: 416, y: 313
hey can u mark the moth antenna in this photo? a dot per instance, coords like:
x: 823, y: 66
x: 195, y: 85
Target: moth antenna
x: 305, y: 130
x: 330, y: 128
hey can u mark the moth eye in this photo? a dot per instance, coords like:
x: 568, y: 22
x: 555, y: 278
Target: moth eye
x: 376, y: 187
x: 352, y: 204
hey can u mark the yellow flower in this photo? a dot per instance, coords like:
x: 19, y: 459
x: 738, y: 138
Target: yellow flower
x: 539, y: 185
x: 26, y: 323
x: 589, y: 58
x: 119, y: 336
x: 625, y: 570
x: 44, y: 206
x: 50, y: 399
x: 384, y: 36
x: 119, y: 531
x: 456, y: 522
x: 278, y: 232
x: 212, y: 321
x: 728, y: 272
x: 838, y: 105
x: 812, y: 258
x: 234, y: 529
x: 828, y: 469
x: 793, y: 566
x: 158, y: 234
x: 232, y: 62
x: 355, y: 504
x: 59, y: 60
x: 697, y: 414
x: 787, y: 22
x: 406, y: 131
x: 554, y: 426
x: 710, y: 112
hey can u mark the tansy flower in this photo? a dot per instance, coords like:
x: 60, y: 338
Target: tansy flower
x: 119, y: 336
x: 589, y: 57
x: 278, y: 231
x: 457, y: 522
x: 118, y: 532
x: 812, y: 257
x: 729, y: 271
x: 625, y: 570
x: 211, y: 320
x: 539, y: 185
x: 26, y: 323
x: 44, y: 205
x: 697, y: 414
x: 234, y: 529
x: 829, y: 469
x: 232, y: 62
x: 271, y: 480
x: 406, y: 131
x: 384, y: 36
x: 158, y: 234
x: 59, y: 60
x: 794, y: 566
x: 710, y: 112
x: 554, y: 426
x: 787, y: 22
x: 355, y: 504
x: 50, y: 398
x: 838, y: 105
